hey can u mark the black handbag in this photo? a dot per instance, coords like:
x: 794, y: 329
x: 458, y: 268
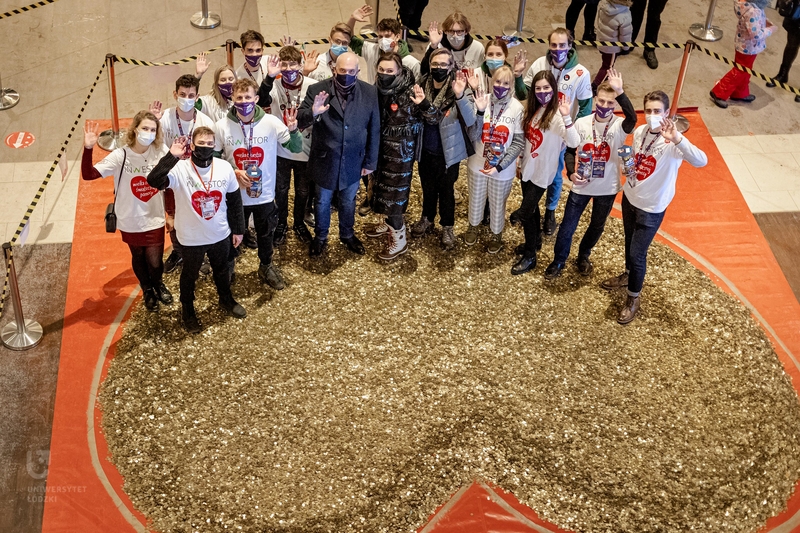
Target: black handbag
x: 789, y: 9
x: 111, y: 215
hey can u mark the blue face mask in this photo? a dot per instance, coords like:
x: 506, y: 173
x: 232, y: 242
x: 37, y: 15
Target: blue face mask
x: 338, y: 49
x: 494, y: 64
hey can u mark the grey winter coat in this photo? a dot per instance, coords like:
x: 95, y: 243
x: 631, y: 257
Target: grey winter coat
x: 613, y: 24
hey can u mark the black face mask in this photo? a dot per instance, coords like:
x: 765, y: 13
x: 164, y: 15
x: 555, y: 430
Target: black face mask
x: 439, y: 74
x: 345, y: 80
x: 201, y: 155
x: 385, y: 80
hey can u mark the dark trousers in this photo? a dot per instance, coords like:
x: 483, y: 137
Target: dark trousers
x: 219, y: 255
x: 437, y: 181
x: 576, y: 204
x: 640, y: 230
x: 410, y: 12
x: 790, y: 52
x: 608, y: 62
x: 283, y: 178
x: 176, y: 246
x: 653, y: 25
x: 531, y: 217
x: 148, y: 264
x: 589, y: 14
x: 265, y: 220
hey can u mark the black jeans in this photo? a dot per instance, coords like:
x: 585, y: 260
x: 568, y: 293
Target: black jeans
x: 437, y: 181
x: 265, y: 220
x: 177, y: 248
x: 283, y: 177
x: 589, y: 14
x: 531, y: 217
x: 148, y: 264
x: 790, y: 52
x: 640, y: 230
x: 219, y: 255
x: 653, y: 25
x: 410, y: 12
x: 576, y: 204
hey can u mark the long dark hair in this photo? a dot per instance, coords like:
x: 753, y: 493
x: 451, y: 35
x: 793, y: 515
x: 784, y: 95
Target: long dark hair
x: 534, y: 105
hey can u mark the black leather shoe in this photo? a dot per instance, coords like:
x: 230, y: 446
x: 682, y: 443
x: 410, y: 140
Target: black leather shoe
x: 151, y: 300
x: 649, y: 56
x: 163, y: 294
x: 190, y: 321
x: 354, y: 245
x: 524, y: 265
x: 280, y: 235
x: 553, y: 270
x: 782, y: 77
x: 302, y: 233
x: 520, y: 249
x: 233, y: 309
x: 316, y: 247
x: 585, y: 267
x: 514, y: 218
x: 549, y: 227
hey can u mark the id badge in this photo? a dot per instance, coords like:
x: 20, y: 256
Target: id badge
x: 207, y: 210
x: 253, y: 172
x: 493, y: 152
x: 598, y: 169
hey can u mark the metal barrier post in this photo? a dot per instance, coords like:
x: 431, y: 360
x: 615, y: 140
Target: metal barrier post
x: 681, y: 122
x: 8, y: 97
x: 205, y: 20
x: 111, y: 139
x: 229, y: 46
x: 519, y: 30
x: 707, y: 32
x: 19, y: 334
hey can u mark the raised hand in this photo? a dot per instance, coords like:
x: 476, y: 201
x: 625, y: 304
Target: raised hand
x: 201, y: 64
x: 155, y: 109
x: 564, y: 105
x: 614, y: 78
x: 290, y: 118
x: 311, y: 62
x: 669, y: 131
x: 419, y: 95
x: 481, y: 100
x: 474, y: 79
x: 178, y: 147
x: 434, y: 34
x: 362, y: 14
x: 273, y: 66
x: 90, y: 134
x: 287, y: 40
x: 319, y: 106
x: 460, y: 84
x: 520, y: 63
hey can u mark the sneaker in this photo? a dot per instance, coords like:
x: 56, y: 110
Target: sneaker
x: 514, y: 218
x: 585, y: 267
x: 364, y: 208
x: 719, y: 102
x: 270, y: 275
x: 249, y: 239
x: 396, y: 244
x: 649, y: 56
x: 448, y: 237
x: 471, y: 236
x: 495, y: 244
x: 617, y: 282
x: 422, y: 227
x: 164, y: 296
x: 549, y: 227
x: 205, y: 268
x: 553, y: 270
x: 457, y: 194
x: 280, y: 235
x: 373, y: 231
x: 151, y: 300
x: 233, y: 308
x: 747, y: 99
x: 190, y: 321
x: 302, y: 233
x: 629, y: 312
x: 309, y: 218
x: 173, y: 262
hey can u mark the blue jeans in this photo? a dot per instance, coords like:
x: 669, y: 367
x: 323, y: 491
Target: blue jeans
x: 640, y: 230
x: 576, y: 204
x: 554, y: 190
x: 347, y: 211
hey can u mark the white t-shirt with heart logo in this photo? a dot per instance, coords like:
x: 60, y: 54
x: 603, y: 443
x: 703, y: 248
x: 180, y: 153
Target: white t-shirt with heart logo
x: 283, y: 98
x: 605, y: 152
x: 542, y: 152
x: 657, y: 169
x: 507, y: 123
x: 268, y: 133
x: 195, y: 198
x: 139, y: 206
x: 575, y: 82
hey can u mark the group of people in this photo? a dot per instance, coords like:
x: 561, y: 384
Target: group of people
x: 225, y: 160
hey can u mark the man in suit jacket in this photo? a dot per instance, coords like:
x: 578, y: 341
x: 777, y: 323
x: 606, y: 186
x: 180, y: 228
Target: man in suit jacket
x: 346, y: 119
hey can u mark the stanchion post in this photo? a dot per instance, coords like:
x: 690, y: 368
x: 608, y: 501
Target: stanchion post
x: 519, y: 29
x: 372, y: 27
x: 8, y: 97
x: 681, y: 122
x: 205, y: 20
x: 112, y: 139
x: 707, y: 32
x: 230, y: 44
x: 19, y: 334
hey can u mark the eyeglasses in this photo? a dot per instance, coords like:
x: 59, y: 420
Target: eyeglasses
x: 455, y: 33
x: 440, y: 65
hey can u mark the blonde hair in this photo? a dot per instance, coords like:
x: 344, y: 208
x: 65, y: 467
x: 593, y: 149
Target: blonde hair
x: 215, y: 87
x: 503, y: 71
x: 130, y: 136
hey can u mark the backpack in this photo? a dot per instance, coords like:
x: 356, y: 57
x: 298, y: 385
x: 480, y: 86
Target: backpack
x: 789, y: 9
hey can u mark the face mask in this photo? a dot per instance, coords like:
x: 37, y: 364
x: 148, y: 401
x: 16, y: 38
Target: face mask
x: 186, y: 104
x: 439, y: 74
x: 145, y: 138
x: 201, y: 155
x: 245, y: 108
x: 290, y: 76
x: 559, y: 56
x: 654, y: 121
x: 253, y: 61
x: 494, y: 64
x: 544, y: 97
x: 225, y: 89
x: 385, y: 43
x: 456, y: 40
x: 500, y: 92
x: 385, y: 80
x: 603, y: 112
x: 338, y: 49
x: 345, y: 80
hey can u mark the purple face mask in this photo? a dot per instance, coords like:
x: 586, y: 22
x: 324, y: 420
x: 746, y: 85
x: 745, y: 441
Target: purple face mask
x: 225, y: 89
x: 500, y: 92
x: 544, y: 97
x: 603, y: 112
x: 290, y: 76
x: 559, y: 56
x: 245, y: 108
x: 253, y: 61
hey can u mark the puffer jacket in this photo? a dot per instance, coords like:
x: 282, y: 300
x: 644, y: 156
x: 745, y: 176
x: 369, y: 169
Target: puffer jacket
x: 613, y: 24
x: 454, y: 137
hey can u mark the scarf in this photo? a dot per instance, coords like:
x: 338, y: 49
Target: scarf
x: 444, y: 100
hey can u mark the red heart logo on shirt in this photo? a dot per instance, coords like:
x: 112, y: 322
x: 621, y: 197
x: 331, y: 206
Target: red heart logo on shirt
x: 141, y: 189
x: 199, y: 196
x: 240, y: 155
x: 599, y: 153
x: 499, y: 135
x: 645, y: 168
x: 535, y: 137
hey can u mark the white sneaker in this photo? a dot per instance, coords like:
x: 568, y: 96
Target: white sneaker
x: 374, y: 231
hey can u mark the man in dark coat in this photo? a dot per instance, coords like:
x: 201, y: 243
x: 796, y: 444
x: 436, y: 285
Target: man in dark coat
x: 346, y: 118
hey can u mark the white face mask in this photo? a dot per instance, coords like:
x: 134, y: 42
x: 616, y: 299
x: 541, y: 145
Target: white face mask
x: 186, y: 104
x: 145, y: 138
x: 456, y: 40
x: 654, y: 121
x: 385, y: 44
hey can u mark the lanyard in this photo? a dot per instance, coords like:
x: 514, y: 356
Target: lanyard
x: 178, y: 120
x: 248, y: 141
x: 641, y: 155
x: 605, y: 132
x: 260, y: 70
x: 493, y: 121
x: 210, y: 178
